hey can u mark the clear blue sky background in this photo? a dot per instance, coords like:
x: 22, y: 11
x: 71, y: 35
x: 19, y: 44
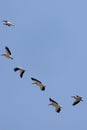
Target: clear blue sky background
x: 49, y: 40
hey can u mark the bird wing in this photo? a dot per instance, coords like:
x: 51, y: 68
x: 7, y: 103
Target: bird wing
x: 53, y: 101
x: 76, y: 102
x: 8, y: 51
x: 21, y: 73
x: 36, y: 80
x: 16, y: 69
x: 74, y: 97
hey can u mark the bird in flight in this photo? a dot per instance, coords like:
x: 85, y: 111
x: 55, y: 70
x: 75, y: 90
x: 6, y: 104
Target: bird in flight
x: 21, y: 70
x: 38, y: 83
x: 6, y: 22
x: 77, y: 99
x: 56, y: 105
x: 8, y: 53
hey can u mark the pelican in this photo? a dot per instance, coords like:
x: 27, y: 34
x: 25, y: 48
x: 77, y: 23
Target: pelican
x: 8, y: 53
x: 6, y: 22
x: 21, y: 71
x: 38, y: 83
x: 77, y: 99
x: 56, y: 105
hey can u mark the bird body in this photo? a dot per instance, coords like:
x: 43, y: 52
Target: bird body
x: 8, y: 53
x: 56, y: 105
x: 19, y: 69
x: 77, y: 99
x: 38, y: 83
x: 6, y: 22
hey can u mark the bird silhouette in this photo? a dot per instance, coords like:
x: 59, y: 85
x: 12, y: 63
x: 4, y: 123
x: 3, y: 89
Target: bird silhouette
x: 56, y: 105
x: 38, y: 83
x: 8, y: 53
x: 21, y: 70
x: 77, y: 99
x: 8, y: 23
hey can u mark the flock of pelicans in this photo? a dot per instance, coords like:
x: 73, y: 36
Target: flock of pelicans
x: 42, y: 87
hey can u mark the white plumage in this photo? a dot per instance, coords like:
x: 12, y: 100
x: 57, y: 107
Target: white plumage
x: 8, y: 23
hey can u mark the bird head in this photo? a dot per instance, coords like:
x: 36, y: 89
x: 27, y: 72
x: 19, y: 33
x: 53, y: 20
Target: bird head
x: 50, y: 104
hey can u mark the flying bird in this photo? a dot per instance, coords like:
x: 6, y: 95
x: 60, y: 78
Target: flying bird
x: 77, y: 99
x: 21, y: 70
x: 8, y: 53
x: 56, y: 105
x: 38, y: 83
x: 6, y: 22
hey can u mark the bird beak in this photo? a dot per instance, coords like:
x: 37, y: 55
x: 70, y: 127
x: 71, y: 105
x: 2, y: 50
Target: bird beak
x: 49, y: 104
x: 33, y: 83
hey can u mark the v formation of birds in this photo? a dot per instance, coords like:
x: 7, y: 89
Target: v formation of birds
x: 37, y: 82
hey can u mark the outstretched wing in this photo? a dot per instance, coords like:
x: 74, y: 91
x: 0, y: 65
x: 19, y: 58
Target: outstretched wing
x: 53, y: 101
x: 21, y: 73
x: 76, y: 102
x: 35, y: 80
x: 16, y: 69
x: 7, y: 50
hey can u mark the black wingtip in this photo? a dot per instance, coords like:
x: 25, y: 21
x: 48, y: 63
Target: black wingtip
x: 73, y: 104
x: 8, y: 50
x: 32, y: 78
x: 50, y: 99
x: 15, y: 69
x: 43, y: 89
x: 21, y: 75
x: 6, y: 47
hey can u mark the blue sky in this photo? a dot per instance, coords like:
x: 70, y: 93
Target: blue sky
x: 49, y: 40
